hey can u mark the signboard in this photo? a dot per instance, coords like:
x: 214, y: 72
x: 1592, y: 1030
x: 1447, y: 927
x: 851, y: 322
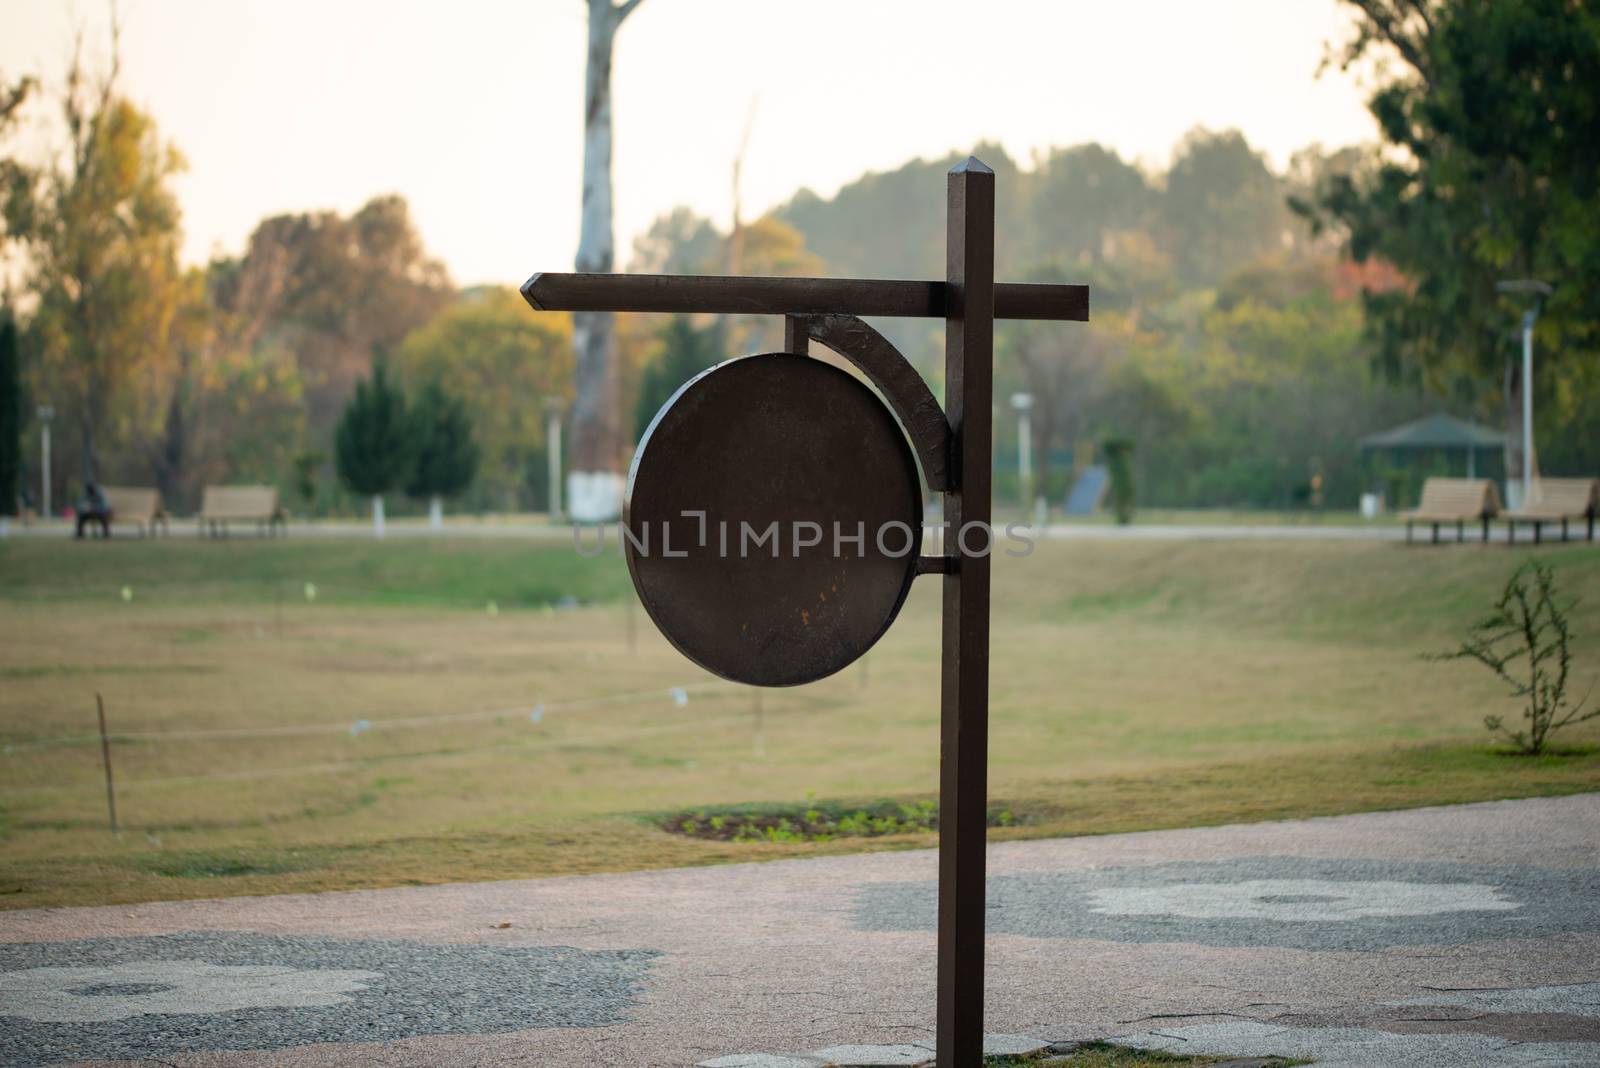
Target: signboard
x: 773, y: 519
x: 783, y: 447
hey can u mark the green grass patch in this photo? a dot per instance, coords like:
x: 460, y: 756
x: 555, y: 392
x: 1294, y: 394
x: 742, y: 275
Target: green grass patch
x: 446, y: 574
x: 39, y: 671
x: 817, y: 821
x: 225, y: 864
x: 1110, y: 1055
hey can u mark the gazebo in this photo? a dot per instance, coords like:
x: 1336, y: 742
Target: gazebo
x: 1443, y: 432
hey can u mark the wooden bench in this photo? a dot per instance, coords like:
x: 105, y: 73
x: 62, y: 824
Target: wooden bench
x: 1556, y: 500
x: 1455, y: 500
x: 222, y: 505
x: 133, y: 504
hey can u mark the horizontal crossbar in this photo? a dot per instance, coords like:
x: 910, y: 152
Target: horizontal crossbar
x: 790, y: 296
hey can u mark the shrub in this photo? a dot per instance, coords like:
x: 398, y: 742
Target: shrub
x: 1526, y: 643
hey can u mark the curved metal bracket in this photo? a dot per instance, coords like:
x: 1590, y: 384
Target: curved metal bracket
x: 908, y: 395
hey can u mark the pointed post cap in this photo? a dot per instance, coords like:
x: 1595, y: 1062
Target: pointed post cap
x: 530, y: 292
x: 971, y: 165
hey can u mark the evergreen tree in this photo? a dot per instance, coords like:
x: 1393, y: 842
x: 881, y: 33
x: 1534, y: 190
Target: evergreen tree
x: 684, y: 352
x: 1119, y: 459
x: 372, y: 443
x: 1487, y: 175
x: 10, y: 416
x: 445, y: 454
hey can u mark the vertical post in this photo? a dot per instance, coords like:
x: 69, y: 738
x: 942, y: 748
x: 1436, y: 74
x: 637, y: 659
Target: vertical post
x: 552, y: 448
x: 795, y: 338
x: 1024, y: 458
x: 105, y: 757
x: 46, y: 413
x: 1527, y: 407
x: 964, y: 688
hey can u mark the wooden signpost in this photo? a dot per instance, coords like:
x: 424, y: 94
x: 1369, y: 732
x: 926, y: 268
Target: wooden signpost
x: 806, y: 464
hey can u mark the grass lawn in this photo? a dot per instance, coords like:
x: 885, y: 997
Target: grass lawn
x: 382, y: 733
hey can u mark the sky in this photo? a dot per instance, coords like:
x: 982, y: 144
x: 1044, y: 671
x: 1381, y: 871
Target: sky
x: 473, y: 110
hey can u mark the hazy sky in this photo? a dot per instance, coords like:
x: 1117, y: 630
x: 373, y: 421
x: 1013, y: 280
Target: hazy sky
x: 473, y: 111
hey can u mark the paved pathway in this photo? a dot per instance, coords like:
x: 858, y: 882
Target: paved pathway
x: 541, y: 531
x: 1463, y: 935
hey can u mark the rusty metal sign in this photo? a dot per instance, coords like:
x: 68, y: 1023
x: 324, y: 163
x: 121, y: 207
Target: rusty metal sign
x: 773, y: 519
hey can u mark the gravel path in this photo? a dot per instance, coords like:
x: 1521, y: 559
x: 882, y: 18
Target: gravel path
x: 1461, y: 935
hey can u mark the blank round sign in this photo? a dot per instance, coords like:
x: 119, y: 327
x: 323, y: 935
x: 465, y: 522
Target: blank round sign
x: 773, y: 519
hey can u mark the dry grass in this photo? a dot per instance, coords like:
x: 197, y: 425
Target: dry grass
x: 1135, y: 685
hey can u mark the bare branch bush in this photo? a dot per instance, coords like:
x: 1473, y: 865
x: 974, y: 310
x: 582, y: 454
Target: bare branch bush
x: 1526, y: 643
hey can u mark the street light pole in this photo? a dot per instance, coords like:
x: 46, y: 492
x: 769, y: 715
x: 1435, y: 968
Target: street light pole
x: 1528, y: 319
x: 46, y: 413
x: 552, y: 410
x: 1538, y: 291
x: 1022, y: 403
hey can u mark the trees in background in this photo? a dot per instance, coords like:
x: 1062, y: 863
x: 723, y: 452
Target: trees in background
x: 15, y: 177
x: 1222, y: 207
x: 10, y: 416
x: 12, y: 176
x: 1119, y: 465
x: 265, y: 348
x: 683, y: 351
x: 1093, y: 198
x: 444, y: 454
x: 372, y: 442
x: 1232, y: 341
x: 99, y: 226
x: 322, y: 289
x: 384, y: 442
x: 1488, y: 113
x: 507, y: 366
x: 679, y: 242
x: 1226, y: 337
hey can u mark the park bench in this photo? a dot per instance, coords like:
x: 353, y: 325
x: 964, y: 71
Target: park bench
x: 134, y: 504
x: 1455, y: 500
x: 244, y: 504
x: 1556, y: 500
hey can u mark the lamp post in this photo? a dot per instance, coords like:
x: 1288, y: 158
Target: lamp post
x: 1538, y: 291
x: 1022, y: 404
x: 46, y: 413
x: 552, y: 412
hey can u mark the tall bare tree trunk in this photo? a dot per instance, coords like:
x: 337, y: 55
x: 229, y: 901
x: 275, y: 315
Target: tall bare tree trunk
x: 594, y: 484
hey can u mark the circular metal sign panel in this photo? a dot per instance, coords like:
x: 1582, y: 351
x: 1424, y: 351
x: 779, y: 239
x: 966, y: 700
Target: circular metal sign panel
x: 773, y: 519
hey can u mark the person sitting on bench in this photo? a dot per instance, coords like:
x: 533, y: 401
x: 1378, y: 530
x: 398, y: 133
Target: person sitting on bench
x: 94, y: 508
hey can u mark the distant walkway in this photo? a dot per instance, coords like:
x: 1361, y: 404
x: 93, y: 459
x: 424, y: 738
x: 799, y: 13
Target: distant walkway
x: 540, y: 530
x: 1463, y: 935
x: 1227, y: 532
